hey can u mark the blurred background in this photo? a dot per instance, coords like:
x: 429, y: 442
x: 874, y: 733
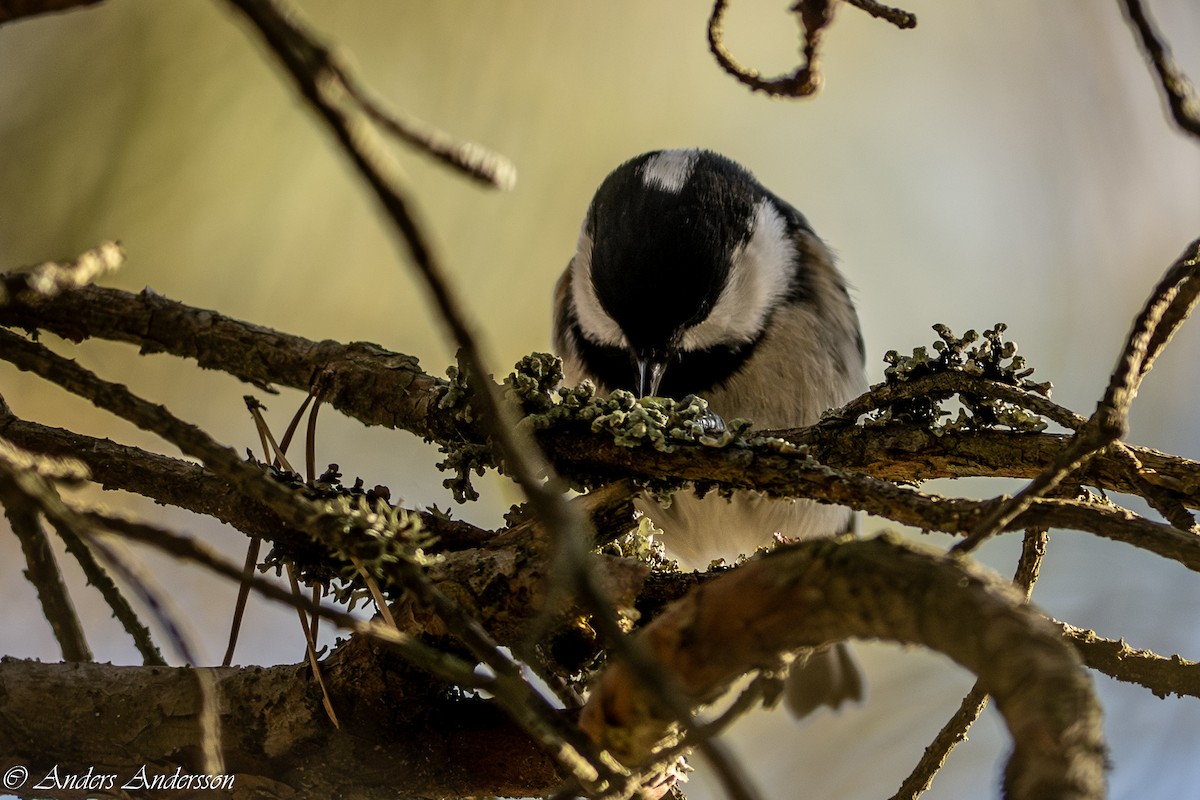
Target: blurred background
x: 1002, y: 162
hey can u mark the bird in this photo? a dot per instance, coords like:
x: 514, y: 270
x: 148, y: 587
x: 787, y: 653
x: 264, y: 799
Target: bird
x: 690, y: 277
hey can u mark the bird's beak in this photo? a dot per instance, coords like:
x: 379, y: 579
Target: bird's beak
x: 650, y: 373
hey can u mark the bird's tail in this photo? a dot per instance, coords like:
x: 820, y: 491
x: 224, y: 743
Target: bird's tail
x: 828, y: 676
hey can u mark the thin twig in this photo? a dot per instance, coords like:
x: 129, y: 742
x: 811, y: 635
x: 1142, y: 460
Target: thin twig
x: 954, y: 732
x: 99, y: 579
x: 1162, y: 675
x: 1159, y: 497
x: 42, y: 569
x: 1168, y: 307
x: 239, y: 608
x: 436, y: 662
x: 310, y: 647
x: 272, y: 453
x: 1180, y: 93
x: 473, y: 160
x: 945, y: 384
x: 897, y: 16
x: 805, y: 80
x: 29, y: 475
x: 813, y: 16
x: 11, y: 10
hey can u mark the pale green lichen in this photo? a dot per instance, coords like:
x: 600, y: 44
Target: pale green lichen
x: 643, y: 543
x: 462, y: 458
x: 659, y: 422
x: 369, y: 529
x: 989, y: 357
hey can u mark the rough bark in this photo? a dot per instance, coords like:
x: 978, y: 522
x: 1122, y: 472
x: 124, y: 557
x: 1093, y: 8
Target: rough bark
x: 818, y: 592
x: 402, y: 734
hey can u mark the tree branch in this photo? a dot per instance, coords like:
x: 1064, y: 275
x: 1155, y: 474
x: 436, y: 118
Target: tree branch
x: 1168, y: 306
x: 11, y: 10
x: 380, y: 387
x: 401, y: 733
x: 1178, y: 90
x: 42, y: 569
x: 814, y: 593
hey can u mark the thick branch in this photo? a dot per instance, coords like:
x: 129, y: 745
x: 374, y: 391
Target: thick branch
x: 817, y: 592
x: 277, y: 742
x: 379, y: 387
x: 401, y: 395
x: 387, y: 388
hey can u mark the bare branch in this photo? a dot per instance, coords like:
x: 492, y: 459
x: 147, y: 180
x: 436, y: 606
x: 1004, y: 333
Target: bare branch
x: 897, y: 16
x: 379, y: 387
x: 1168, y: 307
x: 954, y: 732
x: 391, y: 746
x: 812, y: 16
x: 42, y: 568
x: 308, y: 64
x: 528, y: 708
x: 11, y: 10
x: 814, y: 593
x: 1179, y: 91
x: 1161, y: 675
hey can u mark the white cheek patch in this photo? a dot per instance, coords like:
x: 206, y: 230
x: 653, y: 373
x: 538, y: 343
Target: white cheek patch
x: 761, y: 271
x: 594, y: 321
x: 670, y: 170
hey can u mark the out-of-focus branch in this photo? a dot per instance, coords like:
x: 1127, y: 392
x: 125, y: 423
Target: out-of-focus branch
x: 812, y: 16
x: 323, y: 85
x: 954, y: 732
x: 52, y: 277
x: 814, y: 593
x: 11, y: 10
x: 42, y: 568
x: 1180, y: 93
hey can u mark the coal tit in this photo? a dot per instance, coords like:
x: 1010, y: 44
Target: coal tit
x: 690, y: 277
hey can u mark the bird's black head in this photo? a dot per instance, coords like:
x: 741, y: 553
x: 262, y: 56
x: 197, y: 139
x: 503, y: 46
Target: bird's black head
x: 663, y: 234
x: 665, y: 250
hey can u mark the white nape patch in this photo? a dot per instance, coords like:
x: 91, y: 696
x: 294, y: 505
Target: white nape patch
x: 595, y: 322
x: 760, y: 273
x: 669, y: 170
